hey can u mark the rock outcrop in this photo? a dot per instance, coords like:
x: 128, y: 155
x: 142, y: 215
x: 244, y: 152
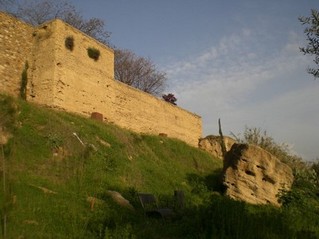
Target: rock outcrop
x: 4, y: 136
x: 119, y: 199
x: 212, y: 144
x: 253, y: 175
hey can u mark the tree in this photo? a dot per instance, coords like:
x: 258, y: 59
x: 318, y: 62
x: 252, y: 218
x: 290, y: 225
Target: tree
x: 315, y: 168
x: 170, y: 98
x: 138, y: 72
x: 37, y: 12
x: 312, y: 33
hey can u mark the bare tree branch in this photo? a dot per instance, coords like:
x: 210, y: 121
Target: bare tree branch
x: 36, y: 12
x: 138, y: 72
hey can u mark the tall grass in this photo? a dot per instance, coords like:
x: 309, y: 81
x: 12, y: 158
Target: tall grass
x: 52, y: 176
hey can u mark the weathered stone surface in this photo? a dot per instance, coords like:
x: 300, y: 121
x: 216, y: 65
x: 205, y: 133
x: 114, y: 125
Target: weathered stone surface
x: 119, y: 199
x: 60, y: 153
x: 72, y: 81
x: 4, y: 136
x: 102, y: 142
x: 254, y: 175
x: 15, y: 49
x: 43, y: 189
x: 212, y: 144
x: 97, y: 116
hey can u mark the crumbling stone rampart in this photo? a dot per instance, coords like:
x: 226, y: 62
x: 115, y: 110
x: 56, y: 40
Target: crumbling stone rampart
x: 15, y: 49
x: 70, y: 80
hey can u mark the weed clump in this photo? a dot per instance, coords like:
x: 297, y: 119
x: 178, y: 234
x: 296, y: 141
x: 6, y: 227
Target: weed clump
x: 24, y: 82
x: 93, y: 53
x: 69, y: 43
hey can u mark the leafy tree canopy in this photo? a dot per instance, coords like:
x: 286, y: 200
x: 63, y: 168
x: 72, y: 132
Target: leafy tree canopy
x: 312, y: 34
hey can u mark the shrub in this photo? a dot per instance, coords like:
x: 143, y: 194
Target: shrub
x: 170, y: 98
x: 69, y: 43
x: 315, y: 168
x: 93, y: 53
x: 24, y: 82
x: 260, y: 138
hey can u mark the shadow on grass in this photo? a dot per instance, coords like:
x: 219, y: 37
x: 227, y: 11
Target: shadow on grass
x: 211, y: 182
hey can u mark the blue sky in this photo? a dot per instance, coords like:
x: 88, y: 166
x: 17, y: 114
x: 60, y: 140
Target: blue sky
x: 237, y: 60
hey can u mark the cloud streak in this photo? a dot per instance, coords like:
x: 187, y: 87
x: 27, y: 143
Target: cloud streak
x: 248, y: 84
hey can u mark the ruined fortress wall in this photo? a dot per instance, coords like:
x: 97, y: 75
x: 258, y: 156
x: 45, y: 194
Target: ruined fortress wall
x: 41, y: 72
x: 15, y: 48
x: 145, y: 113
x: 53, y: 62
x: 84, y: 85
x: 72, y: 81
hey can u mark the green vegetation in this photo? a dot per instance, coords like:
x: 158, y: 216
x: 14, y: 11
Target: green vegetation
x: 93, y: 53
x: 24, y: 82
x: 50, y: 175
x: 69, y: 43
x: 306, y: 175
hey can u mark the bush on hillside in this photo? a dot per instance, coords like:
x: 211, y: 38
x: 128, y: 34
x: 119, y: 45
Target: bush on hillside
x: 306, y: 174
x: 8, y: 112
x: 302, y: 201
x: 260, y: 138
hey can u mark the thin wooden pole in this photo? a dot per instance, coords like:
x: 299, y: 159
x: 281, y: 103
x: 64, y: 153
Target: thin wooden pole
x: 222, y: 139
x: 4, y: 194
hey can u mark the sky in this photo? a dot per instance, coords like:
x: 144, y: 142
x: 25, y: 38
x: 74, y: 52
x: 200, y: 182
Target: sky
x: 237, y: 60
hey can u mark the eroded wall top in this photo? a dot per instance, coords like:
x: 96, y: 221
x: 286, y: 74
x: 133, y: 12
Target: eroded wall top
x: 15, y: 48
x: 67, y: 78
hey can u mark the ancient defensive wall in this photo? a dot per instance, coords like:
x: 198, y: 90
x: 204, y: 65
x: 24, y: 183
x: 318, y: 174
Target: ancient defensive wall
x: 68, y: 79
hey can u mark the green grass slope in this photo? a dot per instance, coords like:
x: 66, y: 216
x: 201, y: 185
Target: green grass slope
x: 57, y: 169
x: 55, y: 161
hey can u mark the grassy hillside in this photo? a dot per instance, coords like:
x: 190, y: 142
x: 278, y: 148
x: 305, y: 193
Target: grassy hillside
x: 46, y: 154
x: 57, y: 164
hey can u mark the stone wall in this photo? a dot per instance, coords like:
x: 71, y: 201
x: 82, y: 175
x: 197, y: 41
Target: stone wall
x: 15, y: 48
x: 53, y: 63
x: 72, y: 81
x: 41, y: 70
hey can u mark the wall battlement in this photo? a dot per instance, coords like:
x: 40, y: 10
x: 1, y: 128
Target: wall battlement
x: 70, y: 80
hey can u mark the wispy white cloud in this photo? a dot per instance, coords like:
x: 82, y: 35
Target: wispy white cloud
x: 246, y: 83
x: 222, y: 76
